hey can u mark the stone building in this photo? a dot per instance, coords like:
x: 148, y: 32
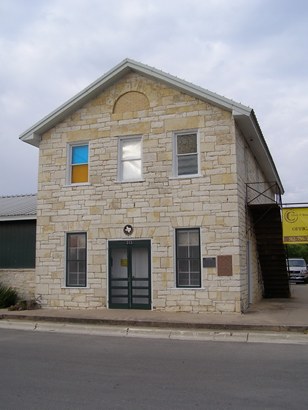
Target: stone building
x: 143, y: 197
x: 17, y: 243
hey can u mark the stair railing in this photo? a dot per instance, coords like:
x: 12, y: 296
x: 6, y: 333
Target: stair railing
x: 259, y: 192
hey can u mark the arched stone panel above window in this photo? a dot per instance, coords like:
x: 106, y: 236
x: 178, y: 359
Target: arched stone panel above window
x: 130, y: 102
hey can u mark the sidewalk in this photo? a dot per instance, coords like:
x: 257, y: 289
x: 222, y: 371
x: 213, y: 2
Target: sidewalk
x: 272, y: 315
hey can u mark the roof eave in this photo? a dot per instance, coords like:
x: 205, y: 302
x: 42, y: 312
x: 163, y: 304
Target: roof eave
x: 31, y: 138
x: 17, y: 218
x: 33, y: 134
x: 255, y: 139
x: 188, y: 88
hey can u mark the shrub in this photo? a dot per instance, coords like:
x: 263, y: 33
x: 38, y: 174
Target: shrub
x: 29, y: 304
x: 8, y: 296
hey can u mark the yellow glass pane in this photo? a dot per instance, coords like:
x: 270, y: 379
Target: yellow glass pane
x: 79, y: 174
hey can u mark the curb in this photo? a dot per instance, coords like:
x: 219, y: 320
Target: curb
x: 143, y: 323
x: 181, y: 334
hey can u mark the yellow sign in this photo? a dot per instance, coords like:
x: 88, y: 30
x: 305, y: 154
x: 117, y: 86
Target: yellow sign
x: 295, y: 225
x: 124, y: 263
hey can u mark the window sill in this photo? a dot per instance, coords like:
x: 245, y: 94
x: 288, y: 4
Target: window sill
x: 186, y: 176
x: 188, y: 288
x: 130, y: 181
x: 77, y: 185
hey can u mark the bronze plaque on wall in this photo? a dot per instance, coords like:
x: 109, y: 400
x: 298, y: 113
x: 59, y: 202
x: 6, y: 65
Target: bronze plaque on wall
x: 224, y: 265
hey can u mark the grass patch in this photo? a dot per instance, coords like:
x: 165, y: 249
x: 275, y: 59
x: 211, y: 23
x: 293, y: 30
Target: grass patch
x: 8, y: 296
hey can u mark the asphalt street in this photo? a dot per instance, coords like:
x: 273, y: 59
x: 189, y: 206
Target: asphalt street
x: 45, y: 371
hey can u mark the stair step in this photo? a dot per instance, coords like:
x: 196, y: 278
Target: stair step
x: 272, y: 256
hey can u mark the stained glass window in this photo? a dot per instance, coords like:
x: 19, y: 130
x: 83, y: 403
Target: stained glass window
x: 79, y: 164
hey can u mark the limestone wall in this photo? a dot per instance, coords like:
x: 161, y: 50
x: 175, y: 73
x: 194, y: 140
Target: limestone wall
x: 22, y: 280
x: 249, y: 172
x: 155, y: 206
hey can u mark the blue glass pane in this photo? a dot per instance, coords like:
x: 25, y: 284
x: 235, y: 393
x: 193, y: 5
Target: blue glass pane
x: 80, y: 154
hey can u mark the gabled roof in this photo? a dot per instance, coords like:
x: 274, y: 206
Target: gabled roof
x: 17, y: 207
x: 243, y: 115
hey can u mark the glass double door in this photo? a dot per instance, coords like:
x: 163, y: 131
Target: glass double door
x: 130, y: 274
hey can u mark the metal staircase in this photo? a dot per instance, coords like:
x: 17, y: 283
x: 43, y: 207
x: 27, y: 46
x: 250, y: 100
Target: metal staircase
x: 272, y: 255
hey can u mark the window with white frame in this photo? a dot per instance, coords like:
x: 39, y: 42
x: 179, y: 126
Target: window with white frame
x: 78, y: 163
x: 186, y: 154
x: 76, y: 259
x: 130, y: 159
x: 188, y: 259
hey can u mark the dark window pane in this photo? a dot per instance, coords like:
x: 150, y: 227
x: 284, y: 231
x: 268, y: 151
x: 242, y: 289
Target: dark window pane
x: 81, y: 254
x: 183, y: 265
x: 194, y: 251
x: 82, y: 279
x: 140, y: 292
x: 188, y: 164
x: 187, y: 144
x: 183, y: 279
x: 76, y: 260
x: 72, y: 279
x: 81, y: 267
x: 193, y: 238
x: 72, y: 253
x: 183, y: 252
x: 72, y: 241
x: 72, y: 267
x: 17, y: 244
x: 119, y: 283
x: 188, y: 258
x: 195, y: 279
x: 119, y: 292
x: 140, y: 301
x: 81, y: 240
x: 194, y: 265
x: 182, y: 238
x: 120, y: 300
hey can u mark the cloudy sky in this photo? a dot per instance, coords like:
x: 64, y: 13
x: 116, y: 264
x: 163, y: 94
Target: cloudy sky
x: 252, y: 51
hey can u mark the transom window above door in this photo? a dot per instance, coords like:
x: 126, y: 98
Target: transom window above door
x: 186, y: 155
x: 130, y: 159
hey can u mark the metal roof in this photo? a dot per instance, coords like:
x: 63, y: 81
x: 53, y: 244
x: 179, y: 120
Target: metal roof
x: 243, y: 115
x: 17, y: 207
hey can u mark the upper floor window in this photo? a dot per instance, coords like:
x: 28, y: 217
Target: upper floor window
x: 130, y: 162
x: 79, y: 163
x: 186, y: 154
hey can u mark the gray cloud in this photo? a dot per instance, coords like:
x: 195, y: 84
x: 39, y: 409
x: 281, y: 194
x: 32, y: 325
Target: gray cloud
x: 253, y: 52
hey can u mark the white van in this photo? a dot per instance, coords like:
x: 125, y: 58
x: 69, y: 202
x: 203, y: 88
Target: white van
x: 297, y: 268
